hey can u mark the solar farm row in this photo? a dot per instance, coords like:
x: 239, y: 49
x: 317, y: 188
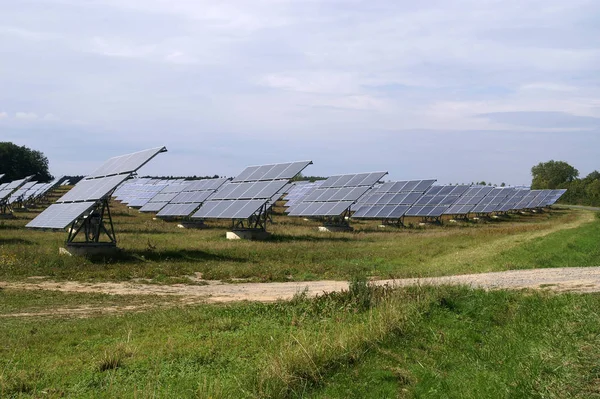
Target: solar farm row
x: 247, y: 199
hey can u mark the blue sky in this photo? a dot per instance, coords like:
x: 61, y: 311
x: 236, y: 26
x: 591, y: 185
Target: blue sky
x: 459, y: 90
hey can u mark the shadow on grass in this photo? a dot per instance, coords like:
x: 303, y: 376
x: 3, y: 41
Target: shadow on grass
x: 181, y: 255
x: 15, y: 241
x: 10, y: 227
x: 306, y: 238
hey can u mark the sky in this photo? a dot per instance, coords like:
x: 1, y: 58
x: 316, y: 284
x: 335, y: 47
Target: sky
x: 457, y: 90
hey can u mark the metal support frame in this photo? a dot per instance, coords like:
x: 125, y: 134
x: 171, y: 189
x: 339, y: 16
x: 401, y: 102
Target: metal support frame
x: 399, y: 222
x: 338, y: 221
x: 258, y: 221
x: 5, y: 207
x: 432, y: 219
x: 97, y: 224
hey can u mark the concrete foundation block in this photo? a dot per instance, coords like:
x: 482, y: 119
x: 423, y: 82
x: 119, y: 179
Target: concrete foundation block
x: 89, y: 249
x: 247, y: 235
x: 335, y: 229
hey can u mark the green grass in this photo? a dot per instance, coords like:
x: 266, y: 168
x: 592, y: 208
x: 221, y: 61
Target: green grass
x: 368, y: 342
x: 158, y: 250
x: 474, y: 344
x: 374, y: 342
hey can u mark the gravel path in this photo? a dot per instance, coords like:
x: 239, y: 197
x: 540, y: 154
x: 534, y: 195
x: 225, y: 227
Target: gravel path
x: 573, y: 279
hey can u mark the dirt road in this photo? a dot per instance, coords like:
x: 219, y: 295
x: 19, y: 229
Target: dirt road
x: 575, y: 279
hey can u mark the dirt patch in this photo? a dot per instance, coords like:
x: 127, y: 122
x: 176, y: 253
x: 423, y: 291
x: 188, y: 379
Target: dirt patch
x: 571, y: 279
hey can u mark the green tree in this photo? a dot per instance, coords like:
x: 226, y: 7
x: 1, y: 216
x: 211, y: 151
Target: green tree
x: 17, y: 162
x: 552, y: 174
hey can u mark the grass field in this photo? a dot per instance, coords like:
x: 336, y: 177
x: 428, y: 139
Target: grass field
x: 158, y: 250
x: 368, y: 342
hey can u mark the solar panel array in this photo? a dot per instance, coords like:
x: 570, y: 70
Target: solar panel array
x: 391, y: 200
x: 163, y: 197
x: 186, y: 201
x: 86, y: 194
x: 7, y: 189
x: 469, y: 200
x: 494, y: 200
x: 336, y: 195
x: 436, y: 201
x: 17, y: 195
x: 554, y: 196
x: 31, y: 191
x: 247, y: 193
x: 300, y: 190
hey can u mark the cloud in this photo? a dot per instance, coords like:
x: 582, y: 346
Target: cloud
x: 560, y: 120
x: 51, y: 117
x: 188, y: 72
x: 26, y: 115
x: 3, y: 115
x: 548, y: 86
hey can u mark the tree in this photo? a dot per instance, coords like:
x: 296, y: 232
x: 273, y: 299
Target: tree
x: 17, y: 162
x: 552, y: 174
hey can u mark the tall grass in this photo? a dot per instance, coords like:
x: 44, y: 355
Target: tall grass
x: 434, y: 342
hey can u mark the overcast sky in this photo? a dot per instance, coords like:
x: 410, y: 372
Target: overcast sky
x: 459, y: 90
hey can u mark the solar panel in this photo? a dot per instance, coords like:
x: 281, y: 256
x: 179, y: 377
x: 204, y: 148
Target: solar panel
x: 91, y: 190
x: 10, y: 187
x: 145, y: 193
x: 436, y: 201
x: 391, y: 200
x: 494, y: 201
x: 249, y: 192
x: 18, y: 194
x: 300, y: 190
x: 513, y: 199
x: 524, y: 202
x: 126, y: 163
x: 190, y: 198
x: 554, y: 196
x: 280, y: 171
x: 42, y: 189
x: 469, y: 200
x: 59, y: 216
x: 540, y: 200
x: 336, y: 194
x: 164, y: 197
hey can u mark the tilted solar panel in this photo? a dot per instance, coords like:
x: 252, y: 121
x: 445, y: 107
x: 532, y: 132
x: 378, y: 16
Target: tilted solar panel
x: 540, y: 200
x: 391, y: 200
x: 126, y: 163
x: 250, y: 192
x: 469, y: 200
x: 554, y: 197
x: 513, y: 199
x: 59, y: 216
x: 92, y: 190
x: 530, y: 196
x: 436, y: 200
x: 336, y: 193
x: 280, y: 171
x: 494, y: 200
x: 10, y: 187
x: 195, y: 192
x: 300, y: 190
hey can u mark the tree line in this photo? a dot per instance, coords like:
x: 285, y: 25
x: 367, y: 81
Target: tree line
x: 559, y: 174
x: 17, y: 162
